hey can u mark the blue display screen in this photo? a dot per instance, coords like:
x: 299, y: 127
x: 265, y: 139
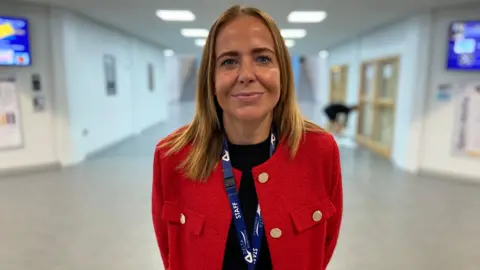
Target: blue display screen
x: 464, y: 46
x: 14, y: 42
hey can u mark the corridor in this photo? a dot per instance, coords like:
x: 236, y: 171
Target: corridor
x: 96, y: 216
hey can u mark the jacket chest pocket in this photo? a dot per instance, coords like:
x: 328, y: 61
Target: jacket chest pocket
x: 188, y: 220
x: 186, y: 235
x: 312, y: 215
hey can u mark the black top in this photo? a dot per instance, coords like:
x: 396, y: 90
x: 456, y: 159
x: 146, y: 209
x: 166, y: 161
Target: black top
x: 244, y: 157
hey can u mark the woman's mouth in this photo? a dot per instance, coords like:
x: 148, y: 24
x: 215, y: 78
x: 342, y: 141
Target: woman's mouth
x: 247, y: 96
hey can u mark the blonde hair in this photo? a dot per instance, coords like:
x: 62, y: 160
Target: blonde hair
x: 205, y: 133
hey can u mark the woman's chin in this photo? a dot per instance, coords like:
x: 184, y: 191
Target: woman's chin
x: 249, y: 114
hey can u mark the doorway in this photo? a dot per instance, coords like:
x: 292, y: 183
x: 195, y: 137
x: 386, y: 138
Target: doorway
x: 378, y: 91
x: 338, y: 84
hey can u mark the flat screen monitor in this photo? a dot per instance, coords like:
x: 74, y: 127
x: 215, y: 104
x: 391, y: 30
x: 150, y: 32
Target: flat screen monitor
x: 14, y: 42
x: 464, y: 46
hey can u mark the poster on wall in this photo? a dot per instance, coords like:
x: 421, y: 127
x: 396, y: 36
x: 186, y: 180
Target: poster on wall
x: 10, y: 127
x: 467, y: 121
x: 444, y: 92
x: 109, y: 65
x: 151, y: 77
x: 38, y: 103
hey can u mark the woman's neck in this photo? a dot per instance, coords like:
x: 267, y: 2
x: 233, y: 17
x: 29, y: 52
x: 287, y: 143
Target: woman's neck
x: 247, y: 132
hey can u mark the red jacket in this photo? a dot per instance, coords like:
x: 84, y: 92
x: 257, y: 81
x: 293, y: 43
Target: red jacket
x: 301, y: 200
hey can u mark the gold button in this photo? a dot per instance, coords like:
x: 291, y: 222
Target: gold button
x: 317, y: 216
x: 276, y: 233
x: 182, y: 218
x: 263, y: 178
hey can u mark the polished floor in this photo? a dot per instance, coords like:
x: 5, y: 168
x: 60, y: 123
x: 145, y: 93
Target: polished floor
x: 96, y: 216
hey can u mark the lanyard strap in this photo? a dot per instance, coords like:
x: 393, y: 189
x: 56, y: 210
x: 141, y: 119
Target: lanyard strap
x: 250, y: 253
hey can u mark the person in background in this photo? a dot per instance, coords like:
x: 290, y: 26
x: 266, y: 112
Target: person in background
x: 337, y: 114
x: 249, y: 183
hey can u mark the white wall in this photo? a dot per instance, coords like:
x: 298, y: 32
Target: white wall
x: 97, y: 120
x: 408, y: 40
x: 423, y: 126
x: 150, y: 107
x: 39, y: 146
x: 315, y: 68
x: 321, y: 88
x: 347, y: 54
x: 437, y: 139
x: 81, y: 119
x: 185, y: 63
x: 172, y: 68
x: 133, y: 109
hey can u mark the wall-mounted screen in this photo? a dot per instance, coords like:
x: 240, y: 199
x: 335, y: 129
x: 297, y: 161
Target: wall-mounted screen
x: 14, y: 42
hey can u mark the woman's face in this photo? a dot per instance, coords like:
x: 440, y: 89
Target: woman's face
x: 247, y: 75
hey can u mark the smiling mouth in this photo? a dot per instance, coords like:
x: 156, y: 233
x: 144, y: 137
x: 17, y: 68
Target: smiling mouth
x: 247, y: 94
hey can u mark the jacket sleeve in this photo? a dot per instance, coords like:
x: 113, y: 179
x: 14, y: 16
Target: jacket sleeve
x: 160, y: 225
x: 336, y: 196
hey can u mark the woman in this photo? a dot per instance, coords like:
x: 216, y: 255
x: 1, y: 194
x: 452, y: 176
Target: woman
x: 247, y: 129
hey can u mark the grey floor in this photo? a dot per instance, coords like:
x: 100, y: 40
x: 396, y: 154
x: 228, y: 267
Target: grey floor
x: 97, y: 215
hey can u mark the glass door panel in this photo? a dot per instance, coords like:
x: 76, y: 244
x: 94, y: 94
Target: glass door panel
x: 368, y: 89
x: 366, y: 119
x: 385, y: 127
x: 338, y: 77
x: 388, y: 80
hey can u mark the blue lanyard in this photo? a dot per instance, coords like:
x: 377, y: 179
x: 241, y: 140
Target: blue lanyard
x: 250, y: 254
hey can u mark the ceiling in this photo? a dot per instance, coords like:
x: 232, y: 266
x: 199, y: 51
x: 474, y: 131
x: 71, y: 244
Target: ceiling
x: 346, y: 18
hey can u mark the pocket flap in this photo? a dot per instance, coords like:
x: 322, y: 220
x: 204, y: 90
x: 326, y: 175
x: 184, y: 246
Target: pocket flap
x: 312, y: 214
x: 192, y: 220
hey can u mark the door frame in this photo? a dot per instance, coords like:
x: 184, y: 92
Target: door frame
x: 377, y: 102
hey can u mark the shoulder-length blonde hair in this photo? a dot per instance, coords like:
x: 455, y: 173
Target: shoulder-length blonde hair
x: 205, y: 133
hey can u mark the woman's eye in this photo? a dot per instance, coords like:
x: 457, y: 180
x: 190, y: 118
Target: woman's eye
x: 228, y: 62
x: 264, y: 59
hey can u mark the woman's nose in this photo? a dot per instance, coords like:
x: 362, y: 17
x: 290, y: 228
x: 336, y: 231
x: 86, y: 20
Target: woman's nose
x: 246, y: 72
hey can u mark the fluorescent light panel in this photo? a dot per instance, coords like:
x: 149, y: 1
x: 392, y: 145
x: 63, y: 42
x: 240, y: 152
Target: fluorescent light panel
x: 289, y: 43
x: 293, y: 33
x: 200, y: 42
x: 168, y: 52
x: 307, y: 16
x: 194, y: 32
x: 176, y: 15
x: 323, y: 54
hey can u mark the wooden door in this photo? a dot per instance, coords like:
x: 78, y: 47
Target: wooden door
x: 338, y: 84
x: 378, y: 90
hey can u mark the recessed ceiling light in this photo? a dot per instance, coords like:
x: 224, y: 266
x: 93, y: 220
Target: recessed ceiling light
x: 194, y: 32
x: 289, y: 43
x: 200, y: 42
x: 323, y: 54
x: 306, y: 16
x: 168, y: 52
x: 293, y: 33
x: 176, y: 15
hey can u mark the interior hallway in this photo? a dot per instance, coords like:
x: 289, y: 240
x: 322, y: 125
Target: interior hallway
x: 97, y: 215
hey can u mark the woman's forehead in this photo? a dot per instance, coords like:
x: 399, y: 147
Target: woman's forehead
x: 246, y: 33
